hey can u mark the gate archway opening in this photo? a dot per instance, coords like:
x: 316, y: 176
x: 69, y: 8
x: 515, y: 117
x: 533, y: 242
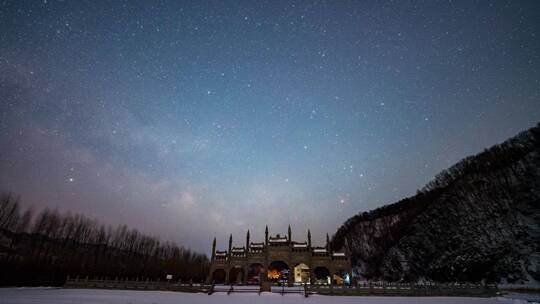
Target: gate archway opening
x: 341, y: 277
x: 322, y: 275
x: 218, y: 276
x: 278, y: 272
x: 236, y: 275
x: 254, y: 273
x: 301, y: 273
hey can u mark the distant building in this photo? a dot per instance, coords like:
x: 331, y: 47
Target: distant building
x: 278, y: 259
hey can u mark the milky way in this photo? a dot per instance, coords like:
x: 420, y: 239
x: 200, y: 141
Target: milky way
x: 195, y: 120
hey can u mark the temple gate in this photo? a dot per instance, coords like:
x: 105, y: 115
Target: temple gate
x: 279, y: 260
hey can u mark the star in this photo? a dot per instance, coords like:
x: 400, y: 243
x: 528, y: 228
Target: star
x: 312, y: 103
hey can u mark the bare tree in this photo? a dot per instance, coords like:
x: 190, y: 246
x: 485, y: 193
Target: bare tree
x: 9, y: 211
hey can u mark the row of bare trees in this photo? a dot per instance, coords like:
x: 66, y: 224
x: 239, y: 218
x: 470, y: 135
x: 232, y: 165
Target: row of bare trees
x: 47, y: 247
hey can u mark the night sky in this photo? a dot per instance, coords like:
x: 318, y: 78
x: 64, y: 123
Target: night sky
x: 194, y: 120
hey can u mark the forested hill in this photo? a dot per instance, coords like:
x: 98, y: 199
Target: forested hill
x: 477, y: 221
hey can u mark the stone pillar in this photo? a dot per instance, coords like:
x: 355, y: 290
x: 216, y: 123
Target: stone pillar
x: 213, y: 249
x: 289, y: 234
x: 327, y: 243
x: 262, y: 276
x: 247, y: 242
x: 312, y: 277
x: 290, y: 278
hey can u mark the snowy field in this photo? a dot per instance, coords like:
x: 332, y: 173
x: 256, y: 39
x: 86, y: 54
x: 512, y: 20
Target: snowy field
x: 95, y: 296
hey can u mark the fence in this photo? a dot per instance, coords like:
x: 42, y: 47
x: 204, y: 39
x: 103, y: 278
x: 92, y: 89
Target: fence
x: 147, y: 284
x: 364, y: 289
x: 405, y: 289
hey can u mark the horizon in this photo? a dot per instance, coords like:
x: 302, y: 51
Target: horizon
x: 191, y: 121
x: 243, y: 238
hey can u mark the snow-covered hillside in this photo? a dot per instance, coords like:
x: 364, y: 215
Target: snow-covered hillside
x: 477, y: 221
x: 92, y: 296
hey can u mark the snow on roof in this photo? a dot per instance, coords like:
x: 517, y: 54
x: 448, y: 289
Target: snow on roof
x: 300, y: 245
x: 257, y: 245
x: 278, y: 239
x: 338, y: 254
x: 238, y: 249
x: 221, y: 253
x: 319, y: 250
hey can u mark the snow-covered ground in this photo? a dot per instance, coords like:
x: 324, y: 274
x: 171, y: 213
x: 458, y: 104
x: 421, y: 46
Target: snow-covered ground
x: 95, y: 296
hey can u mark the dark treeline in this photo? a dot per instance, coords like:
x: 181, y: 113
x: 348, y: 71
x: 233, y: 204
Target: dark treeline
x: 490, y: 160
x: 45, y: 248
x: 381, y: 229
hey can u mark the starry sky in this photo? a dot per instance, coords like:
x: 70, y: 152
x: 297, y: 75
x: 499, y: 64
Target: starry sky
x: 195, y: 119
